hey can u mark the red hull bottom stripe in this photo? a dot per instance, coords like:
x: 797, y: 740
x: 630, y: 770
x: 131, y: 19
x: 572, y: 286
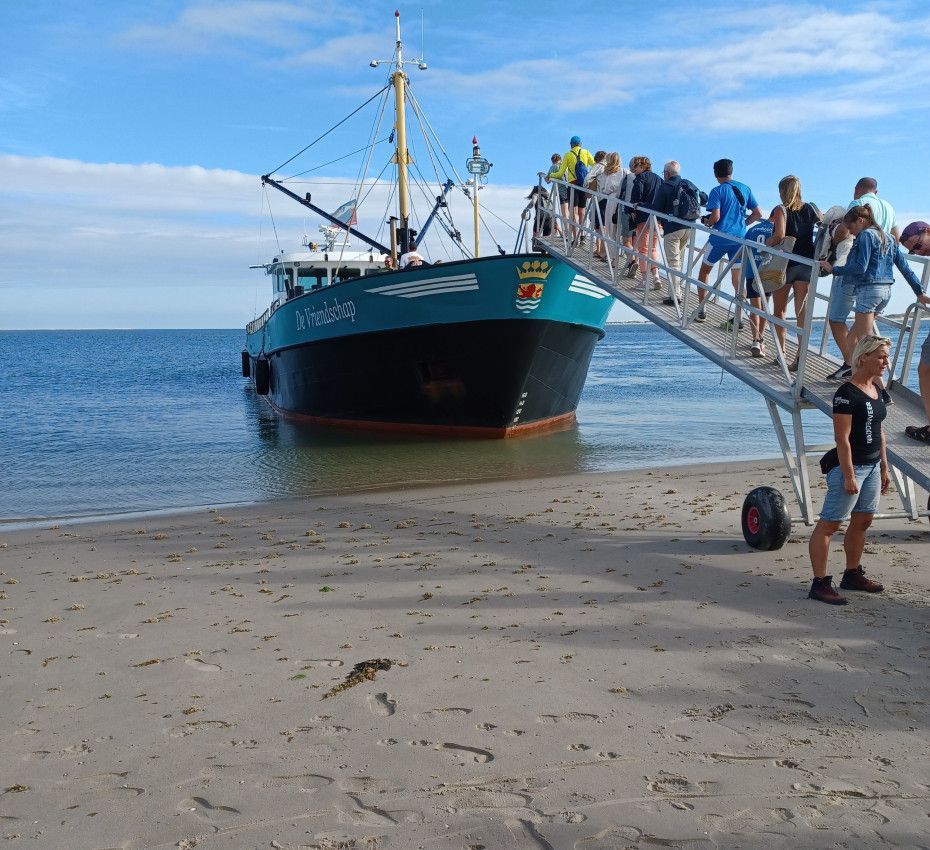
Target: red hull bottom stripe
x: 526, y: 429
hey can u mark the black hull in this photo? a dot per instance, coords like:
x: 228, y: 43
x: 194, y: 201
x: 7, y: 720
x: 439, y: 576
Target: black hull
x: 490, y: 378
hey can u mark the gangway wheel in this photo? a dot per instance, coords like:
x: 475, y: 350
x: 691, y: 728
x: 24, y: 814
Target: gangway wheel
x: 766, y: 521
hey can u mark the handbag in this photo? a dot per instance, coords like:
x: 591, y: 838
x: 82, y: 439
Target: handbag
x: 829, y: 461
x: 773, y: 271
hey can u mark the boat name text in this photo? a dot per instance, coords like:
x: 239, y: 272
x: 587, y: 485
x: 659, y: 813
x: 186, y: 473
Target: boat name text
x: 326, y: 315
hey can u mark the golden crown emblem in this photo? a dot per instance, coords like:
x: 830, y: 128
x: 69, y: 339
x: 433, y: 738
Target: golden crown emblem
x: 534, y: 270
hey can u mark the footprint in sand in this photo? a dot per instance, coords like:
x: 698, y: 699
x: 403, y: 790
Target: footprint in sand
x: 203, y: 666
x: 571, y: 717
x: 194, y: 726
x: 525, y: 835
x: 323, y: 662
x: 440, y: 713
x: 382, y: 705
x: 202, y: 808
x: 578, y: 748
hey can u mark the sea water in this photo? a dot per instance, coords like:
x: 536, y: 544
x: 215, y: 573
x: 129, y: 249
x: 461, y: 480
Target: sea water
x: 102, y: 422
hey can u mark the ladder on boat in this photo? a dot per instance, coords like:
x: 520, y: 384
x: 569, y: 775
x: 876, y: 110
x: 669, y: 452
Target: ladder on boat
x: 765, y: 519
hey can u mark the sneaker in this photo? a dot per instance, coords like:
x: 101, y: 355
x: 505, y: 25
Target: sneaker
x: 856, y: 580
x: 845, y: 371
x: 668, y: 302
x: 631, y: 269
x: 701, y: 316
x: 822, y: 590
x: 729, y: 325
x: 657, y: 285
x: 757, y: 348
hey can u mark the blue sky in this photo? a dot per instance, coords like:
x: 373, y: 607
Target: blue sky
x: 132, y: 135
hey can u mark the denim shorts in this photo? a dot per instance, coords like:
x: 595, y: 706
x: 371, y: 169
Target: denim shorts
x: 842, y: 300
x: 839, y: 504
x: 872, y: 299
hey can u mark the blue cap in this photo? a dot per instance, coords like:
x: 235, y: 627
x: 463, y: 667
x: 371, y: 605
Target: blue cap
x: 575, y: 140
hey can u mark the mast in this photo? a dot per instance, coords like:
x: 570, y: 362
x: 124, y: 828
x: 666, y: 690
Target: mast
x: 401, y: 155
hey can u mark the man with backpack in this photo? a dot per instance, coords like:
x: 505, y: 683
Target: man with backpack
x: 682, y: 199
x: 575, y: 166
x: 727, y: 205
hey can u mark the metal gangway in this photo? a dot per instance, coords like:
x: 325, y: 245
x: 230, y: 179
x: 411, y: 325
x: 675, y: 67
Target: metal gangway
x: 724, y: 339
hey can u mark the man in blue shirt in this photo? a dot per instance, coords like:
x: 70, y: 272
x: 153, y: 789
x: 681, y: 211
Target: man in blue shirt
x: 726, y: 207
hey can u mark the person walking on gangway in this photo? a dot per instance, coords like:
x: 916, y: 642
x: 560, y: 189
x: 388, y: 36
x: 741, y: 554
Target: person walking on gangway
x: 857, y: 473
x: 916, y: 238
x: 727, y: 205
x: 868, y: 274
x: 865, y: 194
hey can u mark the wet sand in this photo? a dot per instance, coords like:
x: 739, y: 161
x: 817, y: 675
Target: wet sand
x: 586, y: 662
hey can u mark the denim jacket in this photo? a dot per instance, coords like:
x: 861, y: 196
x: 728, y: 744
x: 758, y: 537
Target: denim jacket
x: 868, y: 265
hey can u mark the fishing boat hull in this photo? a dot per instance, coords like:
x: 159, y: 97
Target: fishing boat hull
x: 485, y: 348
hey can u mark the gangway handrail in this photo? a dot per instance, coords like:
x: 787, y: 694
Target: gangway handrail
x: 807, y: 388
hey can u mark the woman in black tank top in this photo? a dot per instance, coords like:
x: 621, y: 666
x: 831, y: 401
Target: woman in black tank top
x: 793, y: 217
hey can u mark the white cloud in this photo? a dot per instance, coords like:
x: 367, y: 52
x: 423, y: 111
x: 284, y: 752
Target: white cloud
x: 203, y: 26
x: 122, y: 233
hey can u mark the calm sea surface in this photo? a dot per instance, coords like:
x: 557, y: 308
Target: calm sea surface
x: 98, y: 422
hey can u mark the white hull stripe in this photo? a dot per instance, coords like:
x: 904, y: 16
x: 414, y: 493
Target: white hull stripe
x: 434, y: 290
x: 580, y: 278
x: 590, y: 290
x: 413, y: 285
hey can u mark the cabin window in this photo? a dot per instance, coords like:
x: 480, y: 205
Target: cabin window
x: 346, y: 273
x: 311, y: 278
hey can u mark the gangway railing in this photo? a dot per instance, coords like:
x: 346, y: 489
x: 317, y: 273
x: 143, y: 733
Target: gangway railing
x: 719, y: 337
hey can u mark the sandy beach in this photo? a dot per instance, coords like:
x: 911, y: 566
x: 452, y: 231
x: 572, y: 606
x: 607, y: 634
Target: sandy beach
x: 587, y: 662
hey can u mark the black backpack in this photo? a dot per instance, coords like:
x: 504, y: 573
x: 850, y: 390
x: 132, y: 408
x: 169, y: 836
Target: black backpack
x: 687, y: 203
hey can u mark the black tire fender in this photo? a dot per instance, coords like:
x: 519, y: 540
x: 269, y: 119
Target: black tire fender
x: 766, y: 521
x: 246, y: 364
x: 262, y: 376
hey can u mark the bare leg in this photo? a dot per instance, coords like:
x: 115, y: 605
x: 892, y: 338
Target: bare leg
x: 757, y: 323
x: 819, y: 546
x: 854, y: 539
x: 923, y: 374
x: 703, y: 274
x: 841, y: 335
x: 780, y: 310
x: 862, y: 326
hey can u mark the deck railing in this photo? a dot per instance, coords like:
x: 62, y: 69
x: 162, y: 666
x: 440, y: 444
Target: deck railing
x: 748, y: 257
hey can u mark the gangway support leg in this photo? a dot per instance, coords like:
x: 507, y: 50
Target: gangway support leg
x: 906, y: 490
x: 795, y: 460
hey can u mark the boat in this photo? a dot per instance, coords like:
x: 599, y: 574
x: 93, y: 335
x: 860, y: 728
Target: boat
x: 486, y: 346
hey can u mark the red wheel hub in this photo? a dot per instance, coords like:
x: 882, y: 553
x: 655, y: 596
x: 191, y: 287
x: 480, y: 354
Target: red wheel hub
x: 753, y: 520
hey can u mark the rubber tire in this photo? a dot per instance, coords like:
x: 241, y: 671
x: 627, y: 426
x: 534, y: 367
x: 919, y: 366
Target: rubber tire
x: 262, y: 376
x: 246, y: 364
x: 766, y: 521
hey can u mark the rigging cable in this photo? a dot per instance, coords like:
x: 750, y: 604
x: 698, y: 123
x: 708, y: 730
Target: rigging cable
x: 363, y: 169
x: 338, y: 159
x: 271, y: 216
x: 330, y: 130
x: 438, y: 143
